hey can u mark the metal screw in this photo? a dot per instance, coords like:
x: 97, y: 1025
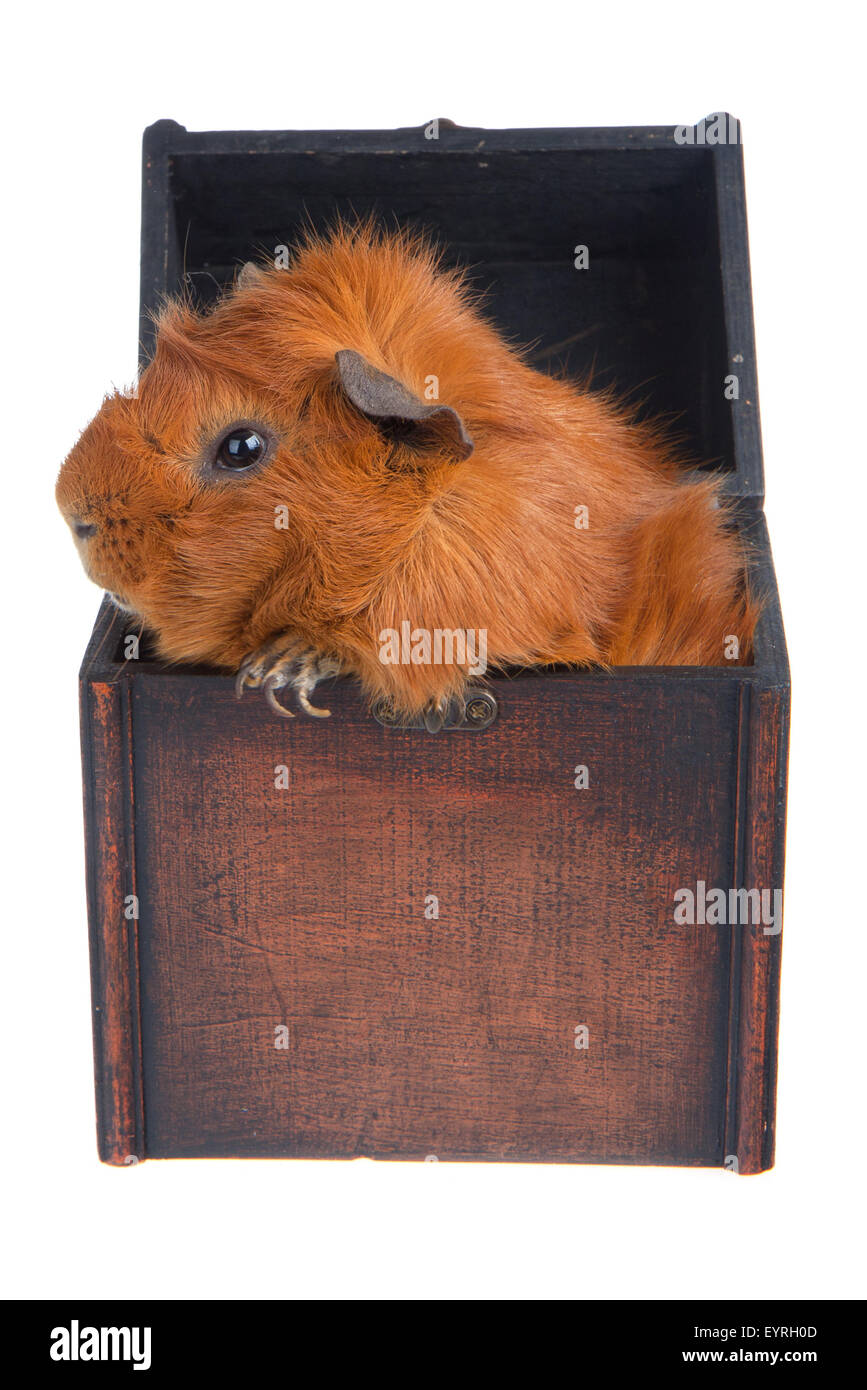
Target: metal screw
x: 478, y: 711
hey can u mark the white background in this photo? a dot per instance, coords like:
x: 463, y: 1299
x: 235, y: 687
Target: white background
x: 80, y: 83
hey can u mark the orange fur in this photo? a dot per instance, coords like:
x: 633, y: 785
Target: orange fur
x: 379, y: 534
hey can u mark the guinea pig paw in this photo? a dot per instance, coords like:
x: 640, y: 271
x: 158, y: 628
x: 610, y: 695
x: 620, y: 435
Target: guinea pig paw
x: 313, y: 669
x: 269, y: 669
x: 259, y: 666
x: 274, y: 667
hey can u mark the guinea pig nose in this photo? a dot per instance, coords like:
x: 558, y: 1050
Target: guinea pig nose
x: 83, y: 529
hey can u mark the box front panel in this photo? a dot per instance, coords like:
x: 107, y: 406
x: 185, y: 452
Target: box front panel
x: 435, y: 945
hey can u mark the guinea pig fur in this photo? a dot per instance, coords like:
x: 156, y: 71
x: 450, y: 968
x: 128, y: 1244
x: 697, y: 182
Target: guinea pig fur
x: 346, y: 449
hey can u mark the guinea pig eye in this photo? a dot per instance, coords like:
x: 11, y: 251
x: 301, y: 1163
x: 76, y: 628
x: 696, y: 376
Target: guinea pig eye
x: 240, y: 448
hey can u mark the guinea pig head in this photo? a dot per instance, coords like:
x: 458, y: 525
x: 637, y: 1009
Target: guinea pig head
x: 271, y: 461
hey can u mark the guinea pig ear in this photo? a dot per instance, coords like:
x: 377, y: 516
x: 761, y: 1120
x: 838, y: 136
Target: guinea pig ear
x: 399, y: 412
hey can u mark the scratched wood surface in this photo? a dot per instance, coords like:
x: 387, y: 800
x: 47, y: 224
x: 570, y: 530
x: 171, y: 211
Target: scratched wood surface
x: 407, y: 1036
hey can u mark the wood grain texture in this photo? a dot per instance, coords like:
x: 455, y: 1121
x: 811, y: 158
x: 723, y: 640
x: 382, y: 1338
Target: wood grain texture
x: 305, y: 907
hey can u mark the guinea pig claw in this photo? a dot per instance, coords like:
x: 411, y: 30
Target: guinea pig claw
x: 277, y: 667
x: 313, y: 670
x: 250, y: 674
x: 271, y: 685
x: 302, y: 694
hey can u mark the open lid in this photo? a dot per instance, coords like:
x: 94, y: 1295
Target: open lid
x: 657, y: 303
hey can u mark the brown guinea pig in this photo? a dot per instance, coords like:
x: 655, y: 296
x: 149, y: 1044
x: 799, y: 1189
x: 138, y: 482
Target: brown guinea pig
x: 343, y: 467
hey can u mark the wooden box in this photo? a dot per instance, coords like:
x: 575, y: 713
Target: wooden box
x: 449, y: 946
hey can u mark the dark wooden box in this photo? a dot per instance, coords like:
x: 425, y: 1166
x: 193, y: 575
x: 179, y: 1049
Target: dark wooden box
x: 285, y: 988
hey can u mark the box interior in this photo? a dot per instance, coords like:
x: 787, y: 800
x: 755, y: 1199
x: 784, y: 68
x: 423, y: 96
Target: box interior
x: 647, y: 317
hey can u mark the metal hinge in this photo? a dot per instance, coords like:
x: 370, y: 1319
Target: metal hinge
x: 475, y: 709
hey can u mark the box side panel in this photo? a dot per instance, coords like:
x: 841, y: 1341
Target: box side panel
x: 397, y: 953
x: 771, y: 663
x: 761, y: 943
x: 161, y: 250
x: 113, y: 946
x: 740, y: 369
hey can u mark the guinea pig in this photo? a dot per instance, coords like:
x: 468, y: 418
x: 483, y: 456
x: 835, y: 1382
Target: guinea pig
x: 345, y: 451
